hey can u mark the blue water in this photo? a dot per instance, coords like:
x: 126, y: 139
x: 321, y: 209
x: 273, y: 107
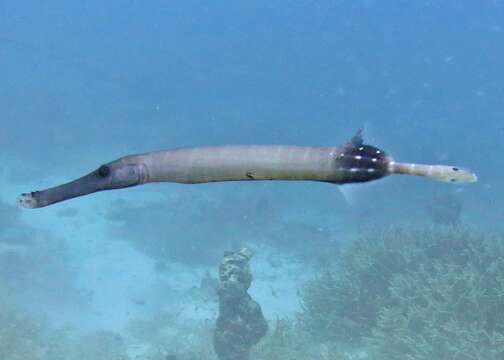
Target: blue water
x: 83, y: 83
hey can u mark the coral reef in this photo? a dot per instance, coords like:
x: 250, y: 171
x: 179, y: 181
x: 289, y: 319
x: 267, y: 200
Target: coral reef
x: 343, y: 302
x: 443, y: 311
x: 288, y: 341
x: 413, y: 293
x: 240, y: 324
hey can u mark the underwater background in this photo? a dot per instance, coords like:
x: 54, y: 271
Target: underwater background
x: 401, y: 268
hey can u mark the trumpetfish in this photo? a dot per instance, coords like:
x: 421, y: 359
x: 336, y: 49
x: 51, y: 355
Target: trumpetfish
x: 353, y: 162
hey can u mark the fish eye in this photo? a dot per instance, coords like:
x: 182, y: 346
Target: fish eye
x: 103, y: 171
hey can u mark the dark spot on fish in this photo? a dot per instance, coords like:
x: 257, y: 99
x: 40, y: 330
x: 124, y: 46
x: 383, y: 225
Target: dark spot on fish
x: 455, y: 169
x: 452, y: 180
x: 103, y: 171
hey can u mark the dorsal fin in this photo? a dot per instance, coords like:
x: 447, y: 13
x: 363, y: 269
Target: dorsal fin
x: 357, y: 139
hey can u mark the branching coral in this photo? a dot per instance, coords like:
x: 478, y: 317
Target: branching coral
x: 288, y: 341
x: 426, y: 293
x: 443, y: 311
x: 342, y: 304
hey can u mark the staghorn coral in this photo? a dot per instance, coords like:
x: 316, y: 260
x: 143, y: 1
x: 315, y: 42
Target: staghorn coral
x: 443, y: 311
x: 343, y: 302
x: 347, y: 303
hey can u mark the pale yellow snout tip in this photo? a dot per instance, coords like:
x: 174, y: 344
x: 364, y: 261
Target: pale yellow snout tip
x: 453, y: 174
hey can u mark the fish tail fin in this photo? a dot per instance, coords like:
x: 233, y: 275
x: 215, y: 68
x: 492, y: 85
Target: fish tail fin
x: 443, y: 173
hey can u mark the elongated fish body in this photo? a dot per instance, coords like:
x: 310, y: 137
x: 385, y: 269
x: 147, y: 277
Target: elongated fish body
x: 353, y: 162
x: 258, y: 162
